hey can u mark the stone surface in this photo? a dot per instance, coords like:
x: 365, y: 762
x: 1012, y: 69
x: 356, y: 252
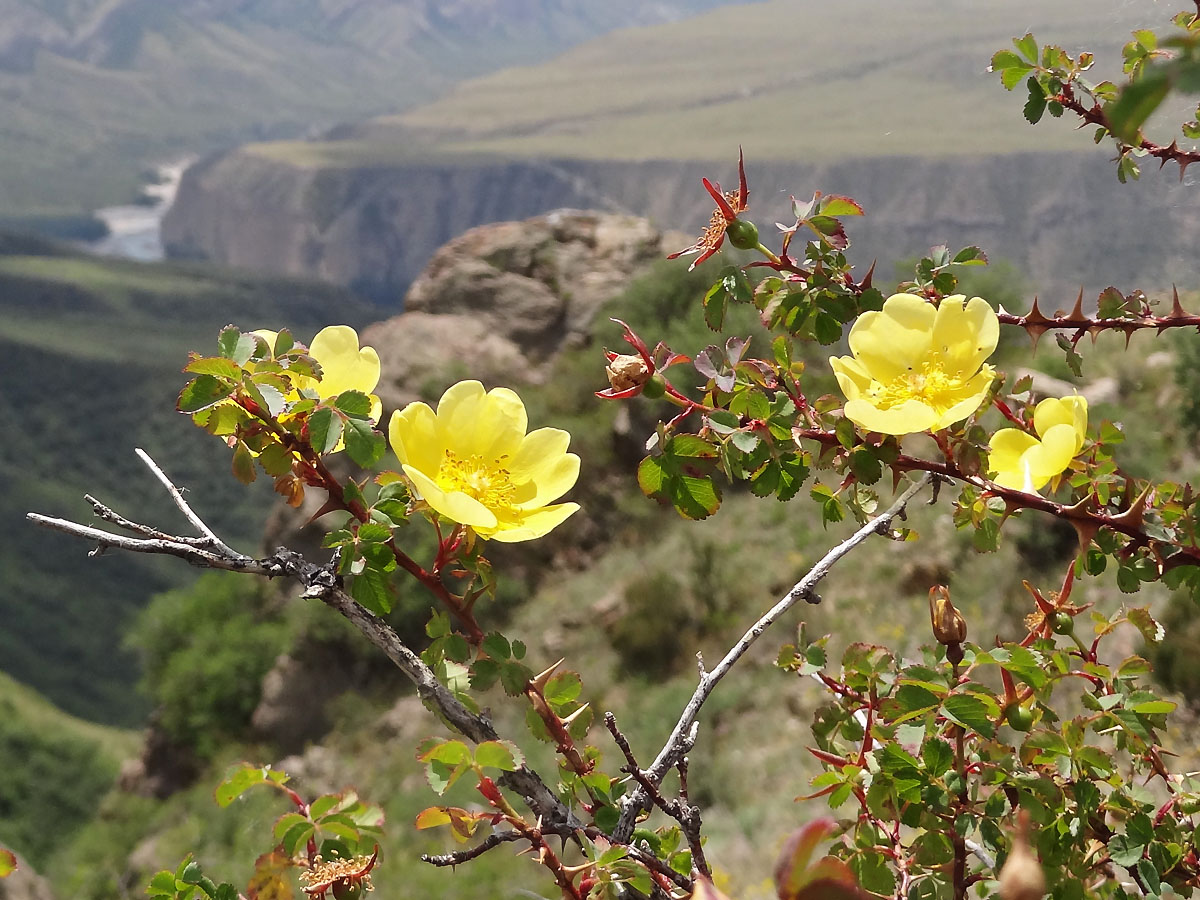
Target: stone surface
x: 499, y: 301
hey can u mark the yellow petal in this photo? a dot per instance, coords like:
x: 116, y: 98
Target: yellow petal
x: 413, y: 434
x: 454, y: 505
x: 1007, y: 449
x: 852, y: 376
x: 535, y: 524
x: 965, y: 334
x: 554, y: 479
x: 1053, y: 454
x: 894, y: 340
x: 1066, y: 411
x: 344, y: 367
x: 474, y: 423
x: 910, y: 417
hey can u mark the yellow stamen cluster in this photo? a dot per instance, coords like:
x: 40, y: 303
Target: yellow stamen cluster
x: 928, y: 383
x: 324, y: 874
x: 485, y: 480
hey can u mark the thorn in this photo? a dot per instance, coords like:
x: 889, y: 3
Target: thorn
x: 1172, y: 151
x: 1128, y: 329
x: 575, y: 715
x: 1077, y: 310
x: 1034, y: 324
x: 538, y: 682
x: 865, y: 284
x: 1135, y: 514
x: 1177, y: 311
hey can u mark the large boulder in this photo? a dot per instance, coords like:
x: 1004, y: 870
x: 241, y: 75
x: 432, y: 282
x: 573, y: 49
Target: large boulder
x: 499, y: 301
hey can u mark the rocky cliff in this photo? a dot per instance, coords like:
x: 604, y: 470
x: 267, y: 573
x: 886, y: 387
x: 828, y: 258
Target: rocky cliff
x: 1061, y: 218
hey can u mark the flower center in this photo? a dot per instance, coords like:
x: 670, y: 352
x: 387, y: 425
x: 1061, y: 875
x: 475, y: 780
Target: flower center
x: 484, y: 480
x: 928, y: 383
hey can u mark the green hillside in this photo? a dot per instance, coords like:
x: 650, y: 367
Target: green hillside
x: 56, y: 770
x: 786, y: 79
x: 90, y: 358
x: 94, y: 92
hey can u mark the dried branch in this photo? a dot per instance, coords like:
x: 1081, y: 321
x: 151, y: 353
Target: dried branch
x: 320, y: 582
x: 683, y: 734
x: 459, y: 857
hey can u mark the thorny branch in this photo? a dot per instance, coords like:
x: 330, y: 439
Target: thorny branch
x: 683, y: 735
x: 320, y: 583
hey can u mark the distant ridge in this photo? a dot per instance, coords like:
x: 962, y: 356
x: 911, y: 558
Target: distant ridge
x: 94, y: 91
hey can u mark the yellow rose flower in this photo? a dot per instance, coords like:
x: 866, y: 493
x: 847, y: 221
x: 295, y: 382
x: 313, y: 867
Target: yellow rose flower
x: 473, y: 462
x: 344, y: 367
x: 916, y: 367
x: 1026, y: 463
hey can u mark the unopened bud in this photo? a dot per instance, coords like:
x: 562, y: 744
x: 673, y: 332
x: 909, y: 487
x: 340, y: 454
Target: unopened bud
x: 627, y: 371
x: 1021, y: 877
x: 742, y: 233
x: 949, y: 626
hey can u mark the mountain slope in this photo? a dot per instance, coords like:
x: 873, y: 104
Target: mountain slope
x: 92, y: 91
x: 786, y: 79
x: 90, y: 359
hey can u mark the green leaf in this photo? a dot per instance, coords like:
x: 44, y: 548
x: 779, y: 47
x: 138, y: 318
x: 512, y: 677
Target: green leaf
x: 365, y: 445
x: 514, y: 677
x: 234, y: 345
x: 937, y: 755
x: 865, y: 466
x: 215, y: 365
x: 445, y: 762
x: 873, y: 873
x: 161, y: 885
x: 1136, y: 102
x: 497, y: 646
x: 202, y: 392
x: 372, y: 589
x: 970, y: 256
x: 651, y: 475
x: 836, y: 205
x: 324, y: 430
x: 1028, y: 47
x: 715, y: 303
x: 826, y: 328
x: 286, y: 822
x: 563, y: 688
x: 241, y: 778
x: 355, y: 404
x: 970, y: 712
x: 500, y: 755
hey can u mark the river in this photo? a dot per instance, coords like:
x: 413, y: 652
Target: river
x: 135, y: 230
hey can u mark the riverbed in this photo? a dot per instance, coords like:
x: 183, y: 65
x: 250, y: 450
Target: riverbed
x: 135, y: 230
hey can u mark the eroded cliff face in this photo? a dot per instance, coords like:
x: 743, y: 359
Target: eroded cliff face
x: 1061, y: 218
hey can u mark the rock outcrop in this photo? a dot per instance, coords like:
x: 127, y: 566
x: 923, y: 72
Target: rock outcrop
x: 1062, y: 218
x: 497, y: 302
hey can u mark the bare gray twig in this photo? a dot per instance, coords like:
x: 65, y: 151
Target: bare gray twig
x: 177, y: 495
x: 683, y: 735
x: 321, y: 582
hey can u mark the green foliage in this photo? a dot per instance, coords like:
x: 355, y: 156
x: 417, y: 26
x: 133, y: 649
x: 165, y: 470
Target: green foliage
x: 56, y: 770
x: 204, y: 652
x: 655, y: 624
